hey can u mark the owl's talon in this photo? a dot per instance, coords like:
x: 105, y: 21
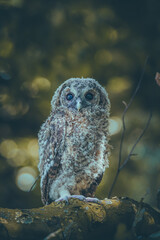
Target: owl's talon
x: 61, y: 199
x: 86, y: 199
x: 66, y: 198
x: 80, y: 197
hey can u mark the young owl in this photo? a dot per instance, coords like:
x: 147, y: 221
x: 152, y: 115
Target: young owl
x: 73, y: 141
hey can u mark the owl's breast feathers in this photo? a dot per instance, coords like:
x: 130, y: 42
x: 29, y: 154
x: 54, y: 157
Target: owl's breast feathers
x: 73, y: 153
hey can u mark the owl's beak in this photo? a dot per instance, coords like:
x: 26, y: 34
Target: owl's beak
x: 78, y: 104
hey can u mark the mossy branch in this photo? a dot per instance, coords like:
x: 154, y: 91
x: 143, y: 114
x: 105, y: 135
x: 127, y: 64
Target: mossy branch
x: 77, y: 219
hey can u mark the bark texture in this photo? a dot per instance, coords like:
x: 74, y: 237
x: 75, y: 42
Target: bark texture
x: 114, y: 218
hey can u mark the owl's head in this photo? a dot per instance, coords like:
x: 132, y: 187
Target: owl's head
x: 77, y: 94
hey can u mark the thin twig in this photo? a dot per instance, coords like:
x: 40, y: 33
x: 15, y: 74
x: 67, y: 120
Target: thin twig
x: 113, y: 184
x: 124, y: 129
x: 137, y: 141
x: 34, y: 183
x: 126, y: 109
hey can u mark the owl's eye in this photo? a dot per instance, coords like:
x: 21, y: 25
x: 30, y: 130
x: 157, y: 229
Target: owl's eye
x: 69, y: 96
x: 89, y: 96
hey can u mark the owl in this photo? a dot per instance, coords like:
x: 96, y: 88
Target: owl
x: 73, y: 141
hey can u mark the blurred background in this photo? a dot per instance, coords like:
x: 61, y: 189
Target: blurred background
x: 43, y: 43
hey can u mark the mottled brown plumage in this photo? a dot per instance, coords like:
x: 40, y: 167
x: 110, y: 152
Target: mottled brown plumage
x: 73, y: 141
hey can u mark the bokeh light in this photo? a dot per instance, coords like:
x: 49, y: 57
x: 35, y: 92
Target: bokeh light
x: 118, y: 84
x: 40, y: 83
x: 16, y: 109
x: 25, y: 178
x: 21, y: 151
x: 33, y: 148
x: 8, y: 148
x: 115, y: 125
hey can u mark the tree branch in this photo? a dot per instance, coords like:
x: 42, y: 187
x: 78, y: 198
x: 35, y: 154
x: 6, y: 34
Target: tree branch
x: 81, y: 220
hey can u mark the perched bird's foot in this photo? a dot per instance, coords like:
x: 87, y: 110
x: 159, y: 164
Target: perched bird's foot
x: 79, y: 197
x: 86, y: 199
x: 65, y: 198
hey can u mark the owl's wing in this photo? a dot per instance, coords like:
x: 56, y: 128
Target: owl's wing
x: 50, y: 139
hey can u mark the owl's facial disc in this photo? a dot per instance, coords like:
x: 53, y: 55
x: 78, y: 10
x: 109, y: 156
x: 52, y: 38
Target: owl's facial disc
x: 80, y: 97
